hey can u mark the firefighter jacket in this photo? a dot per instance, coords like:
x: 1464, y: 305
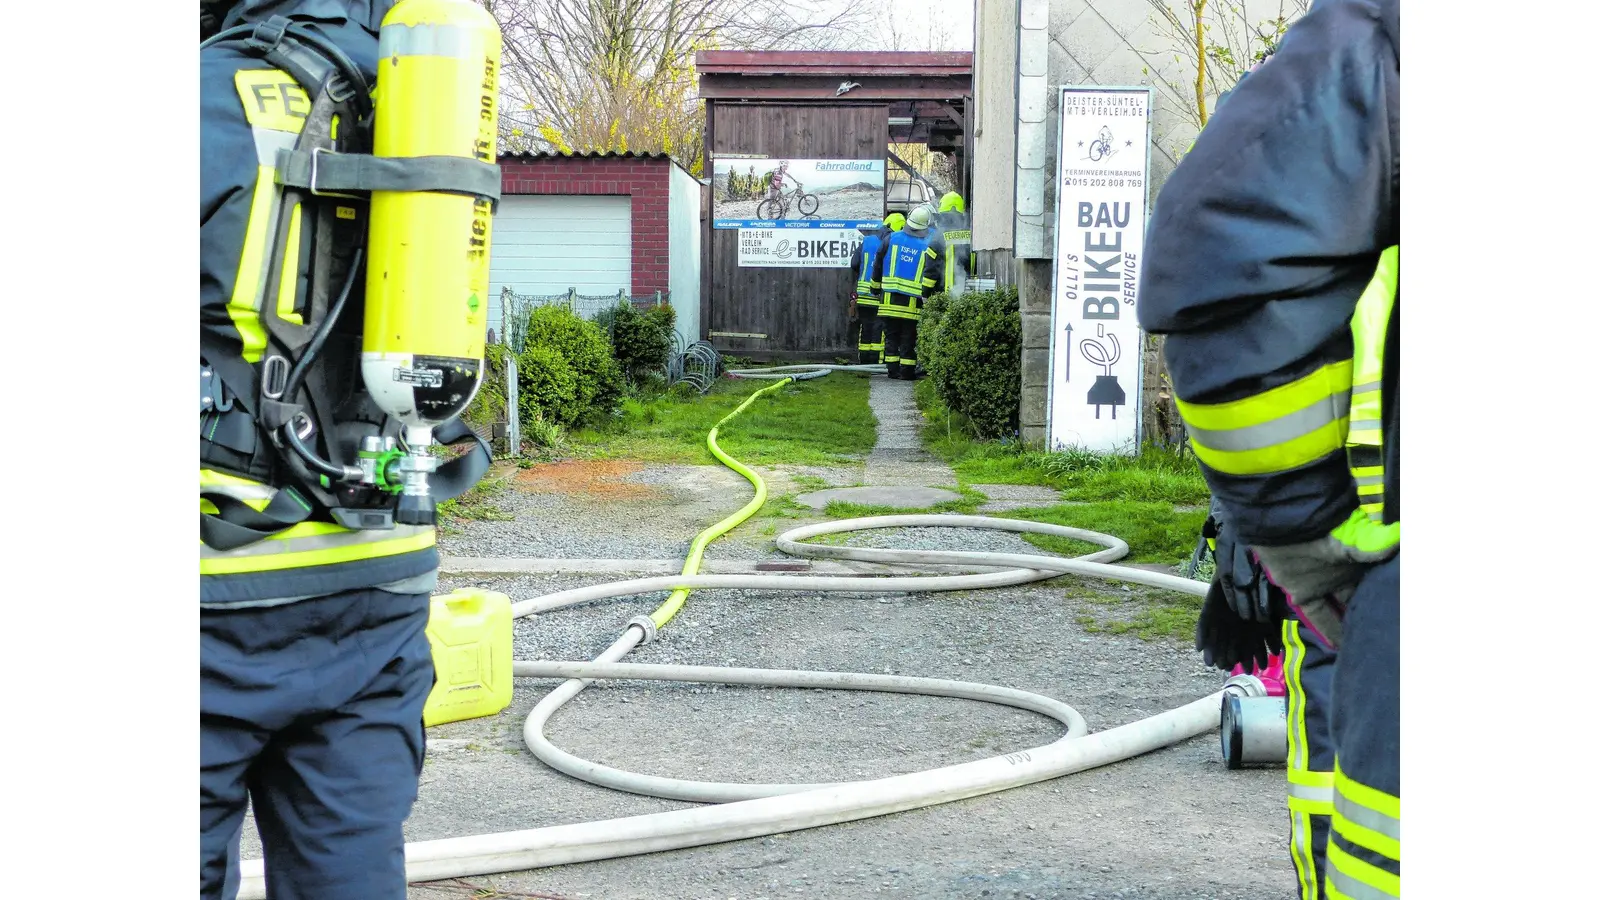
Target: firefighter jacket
x: 248, y: 111
x: 908, y: 268
x: 862, y: 261
x: 955, y: 229
x: 1266, y: 236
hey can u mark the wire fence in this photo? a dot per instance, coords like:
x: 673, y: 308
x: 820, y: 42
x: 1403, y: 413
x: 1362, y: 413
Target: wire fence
x: 696, y: 364
x: 514, y: 309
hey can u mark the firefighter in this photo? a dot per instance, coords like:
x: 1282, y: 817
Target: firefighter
x: 955, y: 226
x: 315, y: 586
x: 1272, y: 267
x: 864, y: 299
x: 908, y: 271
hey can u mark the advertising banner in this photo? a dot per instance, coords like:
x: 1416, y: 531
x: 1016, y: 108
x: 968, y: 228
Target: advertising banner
x: 1096, y: 349
x: 811, y: 249
x: 826, y: 194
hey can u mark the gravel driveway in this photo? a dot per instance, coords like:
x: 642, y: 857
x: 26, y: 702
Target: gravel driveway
x: 1174, y: 824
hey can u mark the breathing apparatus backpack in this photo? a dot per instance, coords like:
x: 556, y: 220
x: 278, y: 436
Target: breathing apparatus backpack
x: 345, y: 395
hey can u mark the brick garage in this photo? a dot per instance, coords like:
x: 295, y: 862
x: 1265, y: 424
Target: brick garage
x: 564, y: 219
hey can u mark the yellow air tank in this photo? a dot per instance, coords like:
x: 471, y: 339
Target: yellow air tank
x: 428, y: 252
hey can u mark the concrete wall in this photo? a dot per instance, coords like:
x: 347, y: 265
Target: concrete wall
x: 683, y: 252
x: 994, y: 138
x: 1057, y: 42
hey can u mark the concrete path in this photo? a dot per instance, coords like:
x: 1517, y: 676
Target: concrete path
x: 899, y: 472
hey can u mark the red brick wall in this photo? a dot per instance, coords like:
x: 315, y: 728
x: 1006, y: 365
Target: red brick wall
x: 644, y: 179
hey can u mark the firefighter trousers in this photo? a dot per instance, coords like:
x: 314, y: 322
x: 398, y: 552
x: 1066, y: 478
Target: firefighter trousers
x: 312, y: 712
x: 1364, y: 842
x: 869, y: 334
x: 1308, y: 669
x: 900, y: 346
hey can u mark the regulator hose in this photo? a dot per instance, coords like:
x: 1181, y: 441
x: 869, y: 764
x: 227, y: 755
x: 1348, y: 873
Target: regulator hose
x: 742, y: 810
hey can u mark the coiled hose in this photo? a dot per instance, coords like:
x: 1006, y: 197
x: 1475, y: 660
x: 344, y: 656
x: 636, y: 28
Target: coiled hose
x: 743, y: 810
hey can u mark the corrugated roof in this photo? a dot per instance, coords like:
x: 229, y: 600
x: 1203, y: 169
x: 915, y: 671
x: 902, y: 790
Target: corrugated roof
x: 608, y: 154
x: 806, y: 62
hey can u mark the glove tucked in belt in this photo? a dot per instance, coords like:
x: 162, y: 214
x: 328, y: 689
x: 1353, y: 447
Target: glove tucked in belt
x: 1319, y: 576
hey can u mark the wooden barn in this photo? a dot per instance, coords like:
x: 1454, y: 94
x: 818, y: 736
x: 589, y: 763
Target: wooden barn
x: 776, y: 279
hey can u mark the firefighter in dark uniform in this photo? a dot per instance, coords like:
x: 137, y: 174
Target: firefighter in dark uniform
x: 314, y: 661
x: 1272, y: 267
x: 909, y: 269
x: 864, y: 299
x: 955, y: 228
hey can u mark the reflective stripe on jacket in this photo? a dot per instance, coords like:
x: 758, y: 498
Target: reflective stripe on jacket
x: 906, y: 270
x: 1369, y: 334
x: 867, y: 288
x: 1265, y: 237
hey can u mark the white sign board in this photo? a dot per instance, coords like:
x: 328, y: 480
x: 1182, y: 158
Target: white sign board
x: 776, y: 248
x: 1096, y: 350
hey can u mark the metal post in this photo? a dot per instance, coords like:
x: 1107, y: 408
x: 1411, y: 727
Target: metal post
x: 513, y: 420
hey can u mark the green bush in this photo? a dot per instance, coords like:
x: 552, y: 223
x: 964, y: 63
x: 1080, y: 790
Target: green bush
x: 489, y: 405
x: 933, y: 311
x: 640, y: 341
x: 973, y: 354
x: 547, y: 387
x: 587, y: 352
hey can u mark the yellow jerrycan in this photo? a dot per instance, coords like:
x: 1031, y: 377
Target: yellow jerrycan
x: 469, y: 630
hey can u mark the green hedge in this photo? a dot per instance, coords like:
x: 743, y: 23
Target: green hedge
x: 584, y: 348
x: 641, y: 342
x: 971, y: 347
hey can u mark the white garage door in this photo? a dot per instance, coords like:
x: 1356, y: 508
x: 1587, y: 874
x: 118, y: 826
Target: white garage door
x: 543, y: 245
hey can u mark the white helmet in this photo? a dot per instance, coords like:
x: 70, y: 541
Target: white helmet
x: 920, y: 219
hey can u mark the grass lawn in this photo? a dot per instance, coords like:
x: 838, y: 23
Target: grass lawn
x: 1156, y: 501
x: 823, y: 421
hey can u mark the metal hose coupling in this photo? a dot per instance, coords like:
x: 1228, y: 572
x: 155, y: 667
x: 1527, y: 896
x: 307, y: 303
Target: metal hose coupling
x: 646, y: 625
x: 1245, y: 686
x: 1255, y: 725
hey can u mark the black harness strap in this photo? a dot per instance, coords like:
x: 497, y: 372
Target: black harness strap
x: 236, y: 524
x: 327, y: 172
x: 457, y: 476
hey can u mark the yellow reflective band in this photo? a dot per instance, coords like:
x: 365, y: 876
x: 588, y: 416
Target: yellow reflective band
x: 289, y: 274
x: 1370, y: 323
x: 357, y: 545
x: 243, y: 305
x: 1278, y: 430
x: 1357, y: 879
x: 1310, y: 792
x: 1311, y: 779
x: 1300, y: 851
x: 1366, y: 806
x: 1294, y: 652
x: 1309, y: 807
x: 1263, y: 408
x: 1365, y: 838
x: 1372, y: 798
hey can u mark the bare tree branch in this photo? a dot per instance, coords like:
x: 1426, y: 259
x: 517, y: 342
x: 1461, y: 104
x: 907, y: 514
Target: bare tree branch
x: 583, y: 75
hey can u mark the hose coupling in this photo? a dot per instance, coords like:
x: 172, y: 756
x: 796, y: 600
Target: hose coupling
x: 646, y: 625
x: 1245, y: 686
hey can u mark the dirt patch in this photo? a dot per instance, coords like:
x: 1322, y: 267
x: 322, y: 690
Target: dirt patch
x: 598, y: 479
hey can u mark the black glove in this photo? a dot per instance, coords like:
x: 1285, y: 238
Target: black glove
x: 1225, y: 640
x: 1245, y: 586
x: 1241, y: 618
